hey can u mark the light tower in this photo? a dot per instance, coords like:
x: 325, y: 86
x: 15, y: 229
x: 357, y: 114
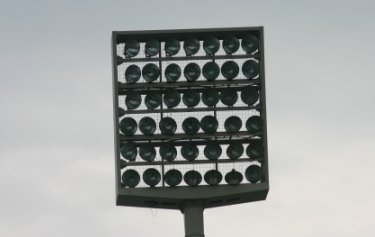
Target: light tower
x: 190, y: 119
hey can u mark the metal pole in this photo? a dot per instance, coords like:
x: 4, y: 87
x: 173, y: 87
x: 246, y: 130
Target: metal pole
x: 193, y: 219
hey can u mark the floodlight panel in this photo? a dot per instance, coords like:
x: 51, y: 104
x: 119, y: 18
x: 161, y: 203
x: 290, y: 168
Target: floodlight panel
x: 162, y: 195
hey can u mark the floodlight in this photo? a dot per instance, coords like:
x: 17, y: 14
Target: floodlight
x: 173, y: 177
x: 249, y: 95
x: 211, y: 71
x: 191, y: 125
x: 133, y: 100
x: 132, y: 74
x: 172, y: 46
x: 192, y: 178
x: 167, y: 126
x: 192, y: 72
x: 213, y: 177
x: 255, y: 149
x: 172, y: 72
x: 254, y: 124
x: 229, y: 96
x: 152, y: 47
x: 128, y: 126
x: 150, y: 72
x: 131, y: 48
x: 153, y: 100
x: 210, y: 97
x: 233, y: 124
x: 211, y: 45
x: 230, y: 70
x: 254, y: 173
x: 250, y: 43
x: 171, y: 98
x: 191, y: 98
x: 128, y: 151
x: 147, y: 152
x: 209, y: 124
x: 189, y: 151
x: 191, y: 46
x: 235, y: 150
x: 168, y: 152
x: 151, y: 177
x: 212, y: 151
x: 250, y: 69
x: 233, y: 177
x: 130, y: 178
x: 147, y: 126
x: 231, y: 44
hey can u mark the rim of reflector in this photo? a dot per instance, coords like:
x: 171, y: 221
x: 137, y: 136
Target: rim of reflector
x: 151, y: 177
x: 172, y: 47
x: 130, y: 178
x: 211, y: 45
x: 192, y: 178
x: 191, y: 46
x: 233, y: 177
x: 213, y: 177
x: 131, y: 48
x: 147, y: 152
x: 254, y: 173
x: 147, y: 126
x: 132, y: 74
x: 128, y: 151
x: 173, y: 177
x: 150, y: 72
x: 231, y: 44
x: 128, y: 126
x: 152, y: 47
x: 167, y: 126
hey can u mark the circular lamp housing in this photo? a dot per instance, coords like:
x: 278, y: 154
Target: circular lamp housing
x: 172, y: 72
x: 128, y: 126
x: 167, y: 126
x: 213, y: 177
x: 147, y: 126
x: 128, y: 151
x: 173, y: 177
x: 229, y: 96
x: 231, y: 44
x: 192, y: 71
x: 131, y: 48
x: 233, y: 124
x: 147, y: 152
x: 172, y: 46
x: 189, y: 151
x: 132, y: 74
x: 152, y: 47
x: 130, y: 178
x: 233, y: 177
x: 133, y: 100
x: 211, y: 71
x: 250, y: 43
x: 192, y: 178
x: 212, y: 151
x: 191, y: 98
x: 254, y: 124
x: 254, y: 173
x: 172, y: 98
x: 150, y: 72
x: 230, y: 70
x: 151, y: 177
x: 168, y: 152
x: 210, y: 97
x: 211, y: 45
x: 249, y: 95
x: 209, y: 124
x: 255, y: 149
x: 235, y: 150
x: 250, y: 69
x: 191, y: 46
x: 191, y: 126
x: 153, y: 100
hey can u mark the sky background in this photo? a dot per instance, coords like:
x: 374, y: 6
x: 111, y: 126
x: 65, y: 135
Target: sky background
x: 56, y: 129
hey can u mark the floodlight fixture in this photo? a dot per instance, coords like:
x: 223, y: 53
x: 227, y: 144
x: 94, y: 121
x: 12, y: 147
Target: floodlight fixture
x: 211, y: 71
x: 231, y: 44
x: 132, y: 74
x: 213, y: 177
x: 172, y: 72
x: 211, y: 45
x: 152, y: 47
x: 147, y: 126
x: 173, y: 177
x: 172, y: 47
x: 168, y: 152
x: 191, y: 46
x: 131, y: 48
x: 153, y: 100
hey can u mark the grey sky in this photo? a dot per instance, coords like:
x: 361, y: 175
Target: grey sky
x: 56, y: 135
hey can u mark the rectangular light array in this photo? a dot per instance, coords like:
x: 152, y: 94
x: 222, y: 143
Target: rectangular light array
x: 190, y: 108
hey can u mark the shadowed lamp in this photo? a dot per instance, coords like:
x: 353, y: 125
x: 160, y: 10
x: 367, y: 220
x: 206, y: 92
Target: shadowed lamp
x: 130, y: 178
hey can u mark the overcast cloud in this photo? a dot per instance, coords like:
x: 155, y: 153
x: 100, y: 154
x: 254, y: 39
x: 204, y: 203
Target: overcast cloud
x: 56, y: 133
